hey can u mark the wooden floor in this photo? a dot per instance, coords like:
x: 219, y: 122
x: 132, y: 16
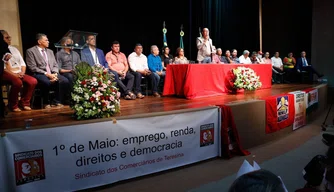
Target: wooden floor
x: 150, y: 104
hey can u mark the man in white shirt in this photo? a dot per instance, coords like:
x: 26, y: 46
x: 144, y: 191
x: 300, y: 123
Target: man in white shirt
x: 204, y: 46
x: 277, y: 66
x: 244, y: 58
x: 139, y: 67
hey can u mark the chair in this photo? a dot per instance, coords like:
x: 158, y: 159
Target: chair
x: 305, y: 77
x: 144, y: 83
x: 38, y: 93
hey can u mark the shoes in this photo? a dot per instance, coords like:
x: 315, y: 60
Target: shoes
x: 156, y: 94
x: 140, y: 96
x: 327, y: 139
x: 47, y: 106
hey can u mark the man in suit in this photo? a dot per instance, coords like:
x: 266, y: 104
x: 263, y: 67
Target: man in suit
x: 204, y: 46
x: 93, y: 55
x: 42, y: 63
x: 303, y: 64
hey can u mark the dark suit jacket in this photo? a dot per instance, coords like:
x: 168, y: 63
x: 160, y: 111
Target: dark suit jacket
x: 86, y: 56
x: 299, y: 63
x: 36, y: 62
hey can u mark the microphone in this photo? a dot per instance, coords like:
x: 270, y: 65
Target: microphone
x: 71, y: 45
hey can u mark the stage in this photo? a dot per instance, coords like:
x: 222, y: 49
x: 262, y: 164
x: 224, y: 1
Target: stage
x: 55, y: 117
x: 150, y: 135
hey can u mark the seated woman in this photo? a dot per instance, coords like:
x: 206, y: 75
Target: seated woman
x: 179, y: 57
x: 289, y: 63
x: 266, y: 59
x: 215, y: 56
x: 166, y: 57
x: 14, y: 74
x: 227, y: 59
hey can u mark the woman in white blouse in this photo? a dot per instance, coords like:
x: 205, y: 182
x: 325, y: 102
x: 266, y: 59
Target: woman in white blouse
x: 179, y: 57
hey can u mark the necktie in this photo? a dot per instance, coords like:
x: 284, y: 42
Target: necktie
x: 304, y: 62
x: 47, y: 62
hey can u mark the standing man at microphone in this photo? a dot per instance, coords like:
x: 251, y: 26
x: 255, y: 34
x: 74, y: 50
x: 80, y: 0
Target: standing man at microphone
x: 204, y: 46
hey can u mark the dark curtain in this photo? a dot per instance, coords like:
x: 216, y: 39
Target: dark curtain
x: 128, y: 22
x: 233, y: 24
x: 287, y: 26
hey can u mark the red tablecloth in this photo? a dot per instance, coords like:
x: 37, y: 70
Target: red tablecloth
x: 202, y: 80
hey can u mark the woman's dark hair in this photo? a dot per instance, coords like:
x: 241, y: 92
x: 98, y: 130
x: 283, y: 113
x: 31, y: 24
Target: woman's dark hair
x: 257, y: 181
x: 3, y: 50
x: 164, y: 48
x: 178, y: 51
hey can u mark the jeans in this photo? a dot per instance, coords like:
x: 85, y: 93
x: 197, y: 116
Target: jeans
x: 157, y: 79
x: 206, y: 60
x: 129, y: 80
x: 138, y: 79
x: 60, y: 87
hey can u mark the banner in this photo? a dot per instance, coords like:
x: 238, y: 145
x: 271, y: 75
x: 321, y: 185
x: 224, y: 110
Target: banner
x: 300, y: 109
x: 230, y: 142
x: 312, y: 100
x: 3, y: 169
x: 77, y: 157
x: 280, y: 112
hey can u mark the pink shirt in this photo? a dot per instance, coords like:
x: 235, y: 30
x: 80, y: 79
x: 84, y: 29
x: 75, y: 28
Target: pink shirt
x: 117, y: 61
x: 266, y: 61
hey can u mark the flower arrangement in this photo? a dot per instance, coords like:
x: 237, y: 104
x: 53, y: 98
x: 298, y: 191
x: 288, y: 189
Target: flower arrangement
x: 94, y: 93
x: 246, y: 78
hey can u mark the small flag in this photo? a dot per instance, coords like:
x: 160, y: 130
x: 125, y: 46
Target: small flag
x: 164, y: 31
x: 181, y: 37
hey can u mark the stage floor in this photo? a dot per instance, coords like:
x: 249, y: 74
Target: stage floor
x: 60, y: 116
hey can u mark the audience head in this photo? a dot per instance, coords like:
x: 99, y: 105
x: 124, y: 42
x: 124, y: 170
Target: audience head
x: 303, y: 54
x: 91, y: 40
x: 42, y: 40
x: 179, y: 52
x: 254, y: 54
x: 154, y: 50
x: 227, y: 53
x: 277, y: 54
x: 257, y: 181
x: 115, y: 47
x: 246, y: 53
x: 138, y: 49
x: 267, y: 55
x: 3, y: 45
x: 165, y: 50
x: 234, y: 53
x: 219, y: 51
x: 6, y: 37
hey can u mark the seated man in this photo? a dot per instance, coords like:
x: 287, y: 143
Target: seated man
x: 93, y: 55
x: 234, y: 56
x: 119, y: 66
x: 303, y: 64
x: 155, y: 66
x: 254, y: 58
x: 139, y: 67
x: 277, y: 67
x: 244, y: 58
x: 42, y: 63
x: 67, y: 60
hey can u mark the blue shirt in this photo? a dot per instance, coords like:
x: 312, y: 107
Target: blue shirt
x: 154, y: 63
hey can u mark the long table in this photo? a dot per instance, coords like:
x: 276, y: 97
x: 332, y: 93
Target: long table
x: 201, y: 80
